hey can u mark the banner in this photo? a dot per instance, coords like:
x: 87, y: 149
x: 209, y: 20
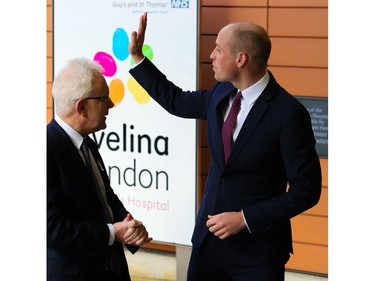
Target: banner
x: 150, y: 155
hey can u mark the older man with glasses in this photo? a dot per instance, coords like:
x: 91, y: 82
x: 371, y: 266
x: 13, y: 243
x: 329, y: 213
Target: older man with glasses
x: 87, y: 225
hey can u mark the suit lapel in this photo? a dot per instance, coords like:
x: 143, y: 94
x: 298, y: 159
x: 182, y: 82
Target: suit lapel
x: 256, y: 113
x: 248, y: 128
x: 66, y: 146
x: 69, y: 156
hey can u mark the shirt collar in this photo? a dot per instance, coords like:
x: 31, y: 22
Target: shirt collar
x: 251, y: 94
x: 76, y: 138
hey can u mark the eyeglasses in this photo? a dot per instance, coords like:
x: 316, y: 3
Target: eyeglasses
x: 102, y: 98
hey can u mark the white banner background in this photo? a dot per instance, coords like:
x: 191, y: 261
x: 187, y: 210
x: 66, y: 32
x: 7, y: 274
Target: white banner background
x: 158, y: 187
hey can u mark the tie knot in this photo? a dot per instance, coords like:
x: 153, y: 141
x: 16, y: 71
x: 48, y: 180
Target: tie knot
x: 237, y: 96
x: 85, y: 150
x: 84, y: 144
x: 237, y: 101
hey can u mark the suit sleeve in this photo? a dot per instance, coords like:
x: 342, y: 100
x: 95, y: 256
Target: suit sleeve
x: 185, y: 104
x: 303, y: 172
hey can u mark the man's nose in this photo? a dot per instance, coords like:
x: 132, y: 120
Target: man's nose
x: 110, y: 103
x: 212, y: 54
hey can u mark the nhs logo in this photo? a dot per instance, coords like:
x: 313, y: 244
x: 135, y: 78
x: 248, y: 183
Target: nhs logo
x: 179, y: 3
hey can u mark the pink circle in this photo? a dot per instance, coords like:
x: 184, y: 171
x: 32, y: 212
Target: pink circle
x: 107, y: 62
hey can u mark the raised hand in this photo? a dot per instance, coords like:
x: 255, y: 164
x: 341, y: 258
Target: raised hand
x: 137, y: 39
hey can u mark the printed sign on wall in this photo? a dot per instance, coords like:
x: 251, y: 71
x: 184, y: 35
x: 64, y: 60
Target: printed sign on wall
x: 150, y: 155
x: 318, y: 109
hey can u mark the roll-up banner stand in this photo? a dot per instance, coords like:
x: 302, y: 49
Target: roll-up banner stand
x: 149, y: 155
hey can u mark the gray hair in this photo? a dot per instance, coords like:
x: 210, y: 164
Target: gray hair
x: 73, y: 82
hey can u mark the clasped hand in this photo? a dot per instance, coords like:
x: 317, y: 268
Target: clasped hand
x: 131, y: 232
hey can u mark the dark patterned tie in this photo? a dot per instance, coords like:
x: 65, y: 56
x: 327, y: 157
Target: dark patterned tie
x: 105, y: 207
x: 227, y: 130
x: 114, y: 259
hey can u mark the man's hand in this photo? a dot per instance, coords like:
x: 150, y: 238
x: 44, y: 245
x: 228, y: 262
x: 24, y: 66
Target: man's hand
x: 226, y: 224
x: 137, y: 39
x: 131, y: 231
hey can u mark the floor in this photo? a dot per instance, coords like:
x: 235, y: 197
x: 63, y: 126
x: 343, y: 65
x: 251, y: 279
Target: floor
x: 289, y: 276
x: 294, y: 276
x: 148, y: 265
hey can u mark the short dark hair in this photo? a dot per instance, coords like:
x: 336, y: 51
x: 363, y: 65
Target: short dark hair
x: 254, y: 44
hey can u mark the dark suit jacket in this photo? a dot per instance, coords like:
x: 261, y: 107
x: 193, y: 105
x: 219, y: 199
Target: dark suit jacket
x: 275, y: 147
x: 77, y: 235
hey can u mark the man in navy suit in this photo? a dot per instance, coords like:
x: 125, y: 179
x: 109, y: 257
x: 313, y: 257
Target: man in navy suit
x: 243, y: 229
x: 87, y: 225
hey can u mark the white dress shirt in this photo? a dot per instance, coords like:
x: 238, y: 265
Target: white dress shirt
x: 249, y: 96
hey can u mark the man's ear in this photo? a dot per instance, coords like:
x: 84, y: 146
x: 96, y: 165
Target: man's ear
x: 80, y: 107
x: 242, y: 58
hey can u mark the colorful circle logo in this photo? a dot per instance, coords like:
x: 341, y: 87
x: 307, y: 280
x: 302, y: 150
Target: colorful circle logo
x: 120, y: 42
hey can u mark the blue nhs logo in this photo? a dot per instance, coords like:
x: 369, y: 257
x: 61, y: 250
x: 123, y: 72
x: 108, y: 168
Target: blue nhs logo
x: 179, y: 3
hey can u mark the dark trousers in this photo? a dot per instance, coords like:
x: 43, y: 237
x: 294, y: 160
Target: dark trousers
x: 210, y: 263
x: 84, y: 271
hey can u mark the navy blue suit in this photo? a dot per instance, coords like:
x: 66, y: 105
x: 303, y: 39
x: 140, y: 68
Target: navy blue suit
x: 275, y: 147
x: 77, y: 234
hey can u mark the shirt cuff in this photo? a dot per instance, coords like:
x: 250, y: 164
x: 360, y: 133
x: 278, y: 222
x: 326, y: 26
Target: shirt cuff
x: 111, y: 234
x: 245, y: 221
x: 135, y: 65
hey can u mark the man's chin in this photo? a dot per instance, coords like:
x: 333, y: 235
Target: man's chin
x: 102, y: 127
x: 219, y: 77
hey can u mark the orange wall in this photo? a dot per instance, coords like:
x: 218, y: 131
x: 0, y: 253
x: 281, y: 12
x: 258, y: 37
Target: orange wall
x: 299, y: 61
x: 49, y: 60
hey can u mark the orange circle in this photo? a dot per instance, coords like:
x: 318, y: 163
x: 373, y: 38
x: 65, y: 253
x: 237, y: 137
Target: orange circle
x: 116, y: 91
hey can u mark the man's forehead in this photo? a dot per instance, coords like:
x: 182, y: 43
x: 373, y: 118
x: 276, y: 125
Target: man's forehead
x: 223, y: 37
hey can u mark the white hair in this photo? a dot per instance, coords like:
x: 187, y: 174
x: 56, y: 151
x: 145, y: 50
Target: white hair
x: 73, y: 82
